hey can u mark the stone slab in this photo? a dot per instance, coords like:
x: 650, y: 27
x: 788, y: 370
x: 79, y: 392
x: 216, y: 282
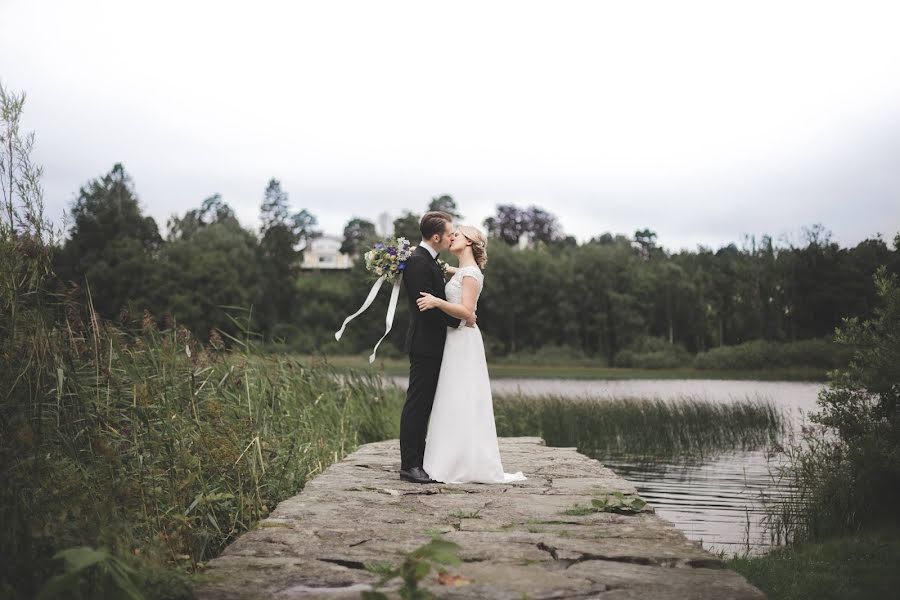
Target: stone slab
x: 516, y: 540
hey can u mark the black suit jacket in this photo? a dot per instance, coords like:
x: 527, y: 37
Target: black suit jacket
x: 427, y: 330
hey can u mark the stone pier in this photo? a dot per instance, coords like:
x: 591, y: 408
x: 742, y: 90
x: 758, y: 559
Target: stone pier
x: 519, y: 540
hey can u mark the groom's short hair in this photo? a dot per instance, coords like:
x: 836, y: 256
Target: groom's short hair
x: 434, y: 222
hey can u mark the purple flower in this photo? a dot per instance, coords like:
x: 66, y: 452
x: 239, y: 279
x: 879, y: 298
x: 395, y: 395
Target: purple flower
x: 379, y: 246
x: 401, y: 266
x: 392, y: 251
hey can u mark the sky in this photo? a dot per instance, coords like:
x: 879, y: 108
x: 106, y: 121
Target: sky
x: 703, y: 121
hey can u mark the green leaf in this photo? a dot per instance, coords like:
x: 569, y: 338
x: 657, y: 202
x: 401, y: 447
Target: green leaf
x: 381, y: 568
x: 59, y: 584
x: 618, y: 502
x: 81, y: 557
x: 442, y: 551
x: 123, y: 576
x: 117, y: 577
x: 421, y: 570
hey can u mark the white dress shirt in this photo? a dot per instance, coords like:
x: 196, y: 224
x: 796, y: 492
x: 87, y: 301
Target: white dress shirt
x: 431, y: 250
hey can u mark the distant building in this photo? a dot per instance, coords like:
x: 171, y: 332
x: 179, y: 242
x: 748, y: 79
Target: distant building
x: 325, y: 253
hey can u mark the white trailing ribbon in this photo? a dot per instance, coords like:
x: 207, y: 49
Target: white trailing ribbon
x: 389, y: 319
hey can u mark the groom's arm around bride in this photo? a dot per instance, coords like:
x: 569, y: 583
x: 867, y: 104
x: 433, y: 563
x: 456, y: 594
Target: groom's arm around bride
x: 427, y: 329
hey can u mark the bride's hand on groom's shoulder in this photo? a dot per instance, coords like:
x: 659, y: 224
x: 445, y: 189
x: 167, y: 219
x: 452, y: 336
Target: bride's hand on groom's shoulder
x: 427, y: 301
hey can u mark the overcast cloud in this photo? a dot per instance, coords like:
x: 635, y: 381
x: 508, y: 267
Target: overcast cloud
x: 700, y: 120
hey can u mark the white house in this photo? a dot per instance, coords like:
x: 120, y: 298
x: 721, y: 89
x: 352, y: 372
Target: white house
x: 325, y: 253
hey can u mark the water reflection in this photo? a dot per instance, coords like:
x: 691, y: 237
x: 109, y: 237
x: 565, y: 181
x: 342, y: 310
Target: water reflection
x: 717, y: 501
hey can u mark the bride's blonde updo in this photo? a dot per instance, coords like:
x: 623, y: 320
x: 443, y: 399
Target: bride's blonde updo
x: 479, y: 243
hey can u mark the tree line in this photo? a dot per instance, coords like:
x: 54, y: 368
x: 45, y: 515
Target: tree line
x: 612, y: 293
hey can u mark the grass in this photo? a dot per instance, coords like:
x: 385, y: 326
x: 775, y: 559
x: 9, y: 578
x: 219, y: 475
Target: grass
x: 507, y: 370
x: 640, y: 427
x: 460, y: 514
x: 579, y: 510
x: 855, y: 567
x: 159, y: 447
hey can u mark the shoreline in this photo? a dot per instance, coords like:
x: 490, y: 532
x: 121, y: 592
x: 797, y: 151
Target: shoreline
x: 499, y: 370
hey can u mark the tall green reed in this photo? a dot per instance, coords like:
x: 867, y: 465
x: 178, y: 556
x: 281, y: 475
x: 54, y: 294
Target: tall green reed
x: 640, y: 426
x: 156, y: 443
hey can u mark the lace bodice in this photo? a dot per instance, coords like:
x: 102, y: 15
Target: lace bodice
x: 453, y: 288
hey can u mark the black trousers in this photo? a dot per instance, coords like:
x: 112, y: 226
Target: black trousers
x: 423, y: 378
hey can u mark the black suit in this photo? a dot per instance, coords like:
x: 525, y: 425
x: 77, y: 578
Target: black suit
x: 425, y: 345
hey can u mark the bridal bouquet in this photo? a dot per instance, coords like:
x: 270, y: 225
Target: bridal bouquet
x: 388, y: 258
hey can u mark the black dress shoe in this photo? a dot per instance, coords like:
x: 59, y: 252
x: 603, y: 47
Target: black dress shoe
x: 416, y: 475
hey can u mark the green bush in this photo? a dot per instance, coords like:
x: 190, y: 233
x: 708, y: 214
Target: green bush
x: 821, y: 353
x: 761, y: 354
x: 846, y: 466
x: 547, y: 355
x: 652, y: 353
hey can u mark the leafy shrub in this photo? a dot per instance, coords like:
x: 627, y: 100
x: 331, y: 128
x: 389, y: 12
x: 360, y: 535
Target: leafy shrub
x: 547, y: 355
x: 847, y: 466
x: 761, y: 354
x: 652, y: 353
x: 92, y: 573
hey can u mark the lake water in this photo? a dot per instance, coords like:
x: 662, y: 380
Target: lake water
x: 717, y: 500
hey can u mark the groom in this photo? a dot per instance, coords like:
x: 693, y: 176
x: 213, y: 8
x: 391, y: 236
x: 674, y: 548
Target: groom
x: 424, y: 341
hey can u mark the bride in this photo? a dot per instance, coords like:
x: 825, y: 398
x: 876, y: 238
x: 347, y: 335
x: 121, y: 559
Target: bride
x: 461, y: 444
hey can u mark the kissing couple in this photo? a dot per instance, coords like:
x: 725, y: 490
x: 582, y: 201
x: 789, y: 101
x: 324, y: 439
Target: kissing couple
x: 447, y: 430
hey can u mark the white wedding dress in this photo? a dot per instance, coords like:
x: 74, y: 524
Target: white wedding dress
x: 461, y: 443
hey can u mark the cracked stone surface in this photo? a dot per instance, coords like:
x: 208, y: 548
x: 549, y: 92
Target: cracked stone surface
x: 520, y: 545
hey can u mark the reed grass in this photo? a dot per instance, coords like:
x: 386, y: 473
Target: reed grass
x: 157, y: 445
x: 640, y: 426
x: 511, y: 367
